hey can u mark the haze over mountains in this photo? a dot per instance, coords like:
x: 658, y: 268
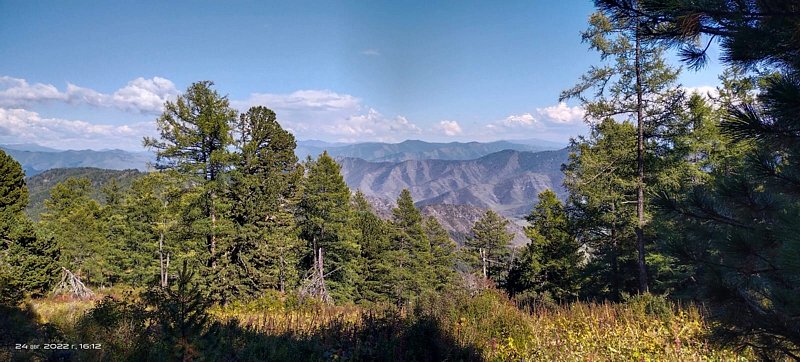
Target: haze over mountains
x: 506, y: 181
x: 453, y: 182
x: 36, y: 159
x: 419, y: 150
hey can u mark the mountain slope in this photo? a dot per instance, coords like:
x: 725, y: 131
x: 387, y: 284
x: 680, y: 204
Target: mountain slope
x: 39, y: 186
x: 416, y: 150
x: 506, y: 181
x: 34, y: 162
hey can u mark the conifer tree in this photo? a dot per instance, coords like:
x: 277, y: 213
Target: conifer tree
x: 636, y: 83
x: 265, y: 251
x: 442, y: 253
x: 195, y: 139
x: 152, y: 213
x: 325, y: 223
x: 411, y: 250
x: 490, y: 248
x: 601, y: 177
x: 373, y: 238
x: 28, y: 262
x: 74, y: 222
x: 744, y: 225
x: 549, y: 266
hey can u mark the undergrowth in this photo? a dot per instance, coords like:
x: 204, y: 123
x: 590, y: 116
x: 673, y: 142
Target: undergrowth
x: 454, y: 326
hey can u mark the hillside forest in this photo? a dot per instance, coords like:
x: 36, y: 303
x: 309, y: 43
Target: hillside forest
x: 675, y: 236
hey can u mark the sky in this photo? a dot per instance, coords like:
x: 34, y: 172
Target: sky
x: 95, y: 74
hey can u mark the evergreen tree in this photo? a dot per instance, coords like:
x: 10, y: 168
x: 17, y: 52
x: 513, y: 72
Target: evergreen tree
x: 325, y: 222
x: 195, y: 141
x: 27, y: 261
x: 600, y: 177
x: 73, y: 220
x: 550, y: 265
x: 490, y: 248
x: 636, y: 83
x: 410, y: 251
x: 375, y: 251
x: 743, y: 227
x: 152, y: 208
x: 265, y: 251
x: 442, y: 253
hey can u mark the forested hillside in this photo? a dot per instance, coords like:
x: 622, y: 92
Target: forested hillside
x: 668, y: 232
x: 39, y: 186
x: 506, y: 181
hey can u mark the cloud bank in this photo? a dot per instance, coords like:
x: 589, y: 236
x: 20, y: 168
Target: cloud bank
x: 139, y: 95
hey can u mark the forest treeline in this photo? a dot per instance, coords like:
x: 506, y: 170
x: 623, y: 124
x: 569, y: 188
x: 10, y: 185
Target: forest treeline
x: 689, y: 195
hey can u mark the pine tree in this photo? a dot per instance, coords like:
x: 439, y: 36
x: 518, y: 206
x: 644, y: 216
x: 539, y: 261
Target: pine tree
x: 442, y: 253
x: 28, y: 262
x: 600, y: 177
x: 325, y: 222
x: 636, y: 83
x: 550, y: 265
x: 195, y: 141
x: 744, y: 224
x: 152, y: 216
x: 375, y: 251
x: 410, y: 252
x: 73, y: 220
x: 265, y: 251
x: 489, y: 245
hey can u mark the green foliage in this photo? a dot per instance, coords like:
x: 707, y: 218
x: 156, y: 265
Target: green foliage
x: 410, y: 252
x: 265, y: 250
x: 740, y: 229
x: 325, y: 220
x: 27, y: 261
x: 489, y: 248
x: 375, y: 251
x: 74, y: 222
x: 40, y: 185
x: 550, y: 266
x: 195, y: 139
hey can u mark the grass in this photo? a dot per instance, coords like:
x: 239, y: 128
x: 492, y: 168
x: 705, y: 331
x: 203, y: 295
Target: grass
x: 457, y: 326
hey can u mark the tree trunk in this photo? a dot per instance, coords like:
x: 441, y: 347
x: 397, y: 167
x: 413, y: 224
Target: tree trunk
x: 614, y: 257
x: 162, y: 271
x: 640, y: 167
x: 212, y: 237
x: 483, y: 259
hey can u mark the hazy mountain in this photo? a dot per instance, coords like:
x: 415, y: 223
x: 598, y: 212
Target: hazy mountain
x: 456, y: 219
x: 418, y: 150
x: 506, y: 181
x: 36, y: 159
x: 39, y: 186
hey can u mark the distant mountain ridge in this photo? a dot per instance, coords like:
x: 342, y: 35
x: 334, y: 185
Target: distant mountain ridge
x: 36, y: 159
x: 418, y: 150
x: 506, y: 181
x: 39, y: 185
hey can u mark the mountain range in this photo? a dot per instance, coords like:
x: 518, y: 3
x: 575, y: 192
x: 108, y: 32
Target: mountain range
x: 418, y: 150
x: 36, y: 159
x: 506, y: 181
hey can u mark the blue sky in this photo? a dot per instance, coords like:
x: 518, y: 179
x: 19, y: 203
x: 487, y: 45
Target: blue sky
x: 95, y: 74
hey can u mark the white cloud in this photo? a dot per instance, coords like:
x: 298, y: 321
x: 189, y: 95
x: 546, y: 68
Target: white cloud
x: 525, y: 120
x: 331, y: 115
x: 704, y: 90
x: 139, y: 95
x: 23, y: 126
x: 557, y: 122
x: 448, y: 128
x: 562, y: 113
x: 371, y: 52
x: 16, y: 91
